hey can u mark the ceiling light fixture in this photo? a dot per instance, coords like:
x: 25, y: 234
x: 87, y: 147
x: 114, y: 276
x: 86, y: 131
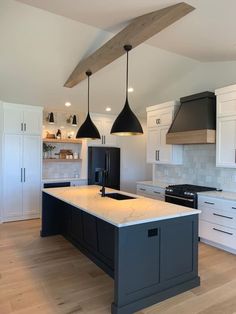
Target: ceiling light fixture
x: 51, y: 118
x: 67, y: 104
x: 127, y: 123
x: 108, y: 109
x: 88, y: 129
x: 130, y: 89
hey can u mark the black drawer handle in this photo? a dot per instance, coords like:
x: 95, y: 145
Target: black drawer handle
x: 152, y: 232
x: 229, y: 233
x: 142, y: 189
x: 209, y: 203
x: 156, y: 192
x: 233, y: 207
x: 223, y: 216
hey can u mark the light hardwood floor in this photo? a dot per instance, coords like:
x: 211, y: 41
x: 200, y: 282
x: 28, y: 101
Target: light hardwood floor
x: 50, y: 276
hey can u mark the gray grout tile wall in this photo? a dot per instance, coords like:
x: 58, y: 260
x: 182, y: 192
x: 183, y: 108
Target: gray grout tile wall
x: 199, y: 167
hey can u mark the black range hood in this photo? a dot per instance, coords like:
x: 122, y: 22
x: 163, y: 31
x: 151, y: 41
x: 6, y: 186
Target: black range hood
x: 195, y: 121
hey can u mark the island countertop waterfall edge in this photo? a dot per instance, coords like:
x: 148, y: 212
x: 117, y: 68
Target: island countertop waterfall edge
x: 151, y: 253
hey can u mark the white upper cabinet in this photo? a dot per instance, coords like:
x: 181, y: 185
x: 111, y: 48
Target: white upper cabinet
x: 226, y: 127
x: 21, y: 119
x: 104, y: 124
x: 159, y: 119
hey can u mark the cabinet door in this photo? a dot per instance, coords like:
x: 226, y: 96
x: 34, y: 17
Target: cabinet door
x: 165, y: 150
x: 13, y: 120
x: 31, y: 174
x: 106, y: 240
x: 226, y: 142
x: 12, y: 176
x: 75, y: 225
x: 108, y: 139
x: 152, y: 145
x: 90, y: 231
x: 159, y: 117
x: 98, y: 122
x: 32, y: 122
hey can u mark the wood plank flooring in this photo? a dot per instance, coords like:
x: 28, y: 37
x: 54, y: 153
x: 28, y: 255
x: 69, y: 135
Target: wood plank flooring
x: 50, y: 276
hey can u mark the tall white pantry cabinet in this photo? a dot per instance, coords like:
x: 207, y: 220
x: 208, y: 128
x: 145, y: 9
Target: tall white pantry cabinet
x: 21, y: 162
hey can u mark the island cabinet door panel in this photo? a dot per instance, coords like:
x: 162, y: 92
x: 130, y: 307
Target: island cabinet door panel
x: 75, y: 227
x: 90, y: 231
x: 178, y: 250
x: 137, y: 266
x: 106, y: 233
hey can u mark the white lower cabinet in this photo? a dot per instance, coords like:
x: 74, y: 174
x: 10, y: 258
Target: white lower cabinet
x: 217, y: 224
x: 156, y: 193
x: 21, y: 176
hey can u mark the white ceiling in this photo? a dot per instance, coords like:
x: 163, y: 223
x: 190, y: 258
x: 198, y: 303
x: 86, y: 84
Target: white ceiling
x: 206, y: 34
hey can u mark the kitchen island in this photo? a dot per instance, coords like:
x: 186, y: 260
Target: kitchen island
x: 149, y: 247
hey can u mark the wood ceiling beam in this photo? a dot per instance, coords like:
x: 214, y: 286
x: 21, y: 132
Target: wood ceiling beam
x: 139, y: 30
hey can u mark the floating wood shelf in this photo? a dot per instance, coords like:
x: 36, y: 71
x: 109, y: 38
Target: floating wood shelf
x: 65, y: 140
x: 60, y: 160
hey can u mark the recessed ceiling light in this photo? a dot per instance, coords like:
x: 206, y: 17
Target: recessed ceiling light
x: 67, y: 104
x: 130, y: 89
x: 108, y: 109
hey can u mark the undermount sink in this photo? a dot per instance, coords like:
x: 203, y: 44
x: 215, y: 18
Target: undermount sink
x: 119, y: 196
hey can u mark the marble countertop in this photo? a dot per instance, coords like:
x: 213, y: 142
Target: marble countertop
x: 220, y: 194
x: 158, y: 184
x: 52, y: 180
x: 119, y: 213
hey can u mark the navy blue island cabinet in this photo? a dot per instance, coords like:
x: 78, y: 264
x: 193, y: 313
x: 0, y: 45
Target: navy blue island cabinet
x: 149, y: 262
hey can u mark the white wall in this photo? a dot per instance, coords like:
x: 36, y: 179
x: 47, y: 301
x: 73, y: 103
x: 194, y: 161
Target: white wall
x: 133, y: 161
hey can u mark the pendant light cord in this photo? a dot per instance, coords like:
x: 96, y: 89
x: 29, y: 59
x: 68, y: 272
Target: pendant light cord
x: 127, y: 74
x: 88, y: 94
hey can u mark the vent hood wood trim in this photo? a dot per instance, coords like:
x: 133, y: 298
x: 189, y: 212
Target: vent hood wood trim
x: 192, y: 137
x: 139, y: 30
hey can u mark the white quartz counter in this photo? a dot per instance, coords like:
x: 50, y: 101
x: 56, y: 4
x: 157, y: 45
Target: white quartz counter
x: 220, y: 194
x: 158, y: 184
x: 119, y: 213
x: 54, y: 180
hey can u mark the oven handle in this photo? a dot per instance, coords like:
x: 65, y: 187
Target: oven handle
x: 180, y: 198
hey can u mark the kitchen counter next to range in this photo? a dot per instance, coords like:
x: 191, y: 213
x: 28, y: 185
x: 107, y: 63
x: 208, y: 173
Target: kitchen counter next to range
x: 149, y: 247
x: 158, y: 184
x: 119, y: 213
x: 231, y: 196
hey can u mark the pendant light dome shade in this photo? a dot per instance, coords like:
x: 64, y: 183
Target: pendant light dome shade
x: 88, y: 129
x: 127, y: 123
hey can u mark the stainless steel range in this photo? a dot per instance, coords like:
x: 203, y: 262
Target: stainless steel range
x: 185, y: 194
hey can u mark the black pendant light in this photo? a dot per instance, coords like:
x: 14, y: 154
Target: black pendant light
x: 127, y: 123
x: 88, y: 129
x: 74, y: 120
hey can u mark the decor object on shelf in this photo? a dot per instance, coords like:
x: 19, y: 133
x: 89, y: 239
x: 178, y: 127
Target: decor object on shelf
x: 72, y: 120
x: 88, y: 130
x: 47, y: 150
x: 138, y: 31
x: 127, y: 123
x: 58, y: 135
x: 50, y: 136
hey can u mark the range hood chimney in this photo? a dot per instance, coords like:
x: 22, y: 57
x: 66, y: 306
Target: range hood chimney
x: 195, y: 121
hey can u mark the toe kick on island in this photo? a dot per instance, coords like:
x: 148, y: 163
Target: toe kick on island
x: 149, y: 262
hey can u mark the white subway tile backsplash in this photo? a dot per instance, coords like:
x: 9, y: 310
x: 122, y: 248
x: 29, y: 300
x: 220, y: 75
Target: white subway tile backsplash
x: 199, y: 167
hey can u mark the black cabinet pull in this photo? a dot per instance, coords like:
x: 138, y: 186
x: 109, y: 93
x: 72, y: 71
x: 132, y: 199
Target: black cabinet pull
x: 156, y: 156
x: 222, y: 216
x: 156, y: 192
x: 141, y: 189
x: 21, y: 175
x: 229, y: 233
x: 24, y: 126
x: 24, y: 174
x: 21, y: 127
x: 233, y: 207
x: 210, y: 203
x: 104, y: 139
x: 152, y: 232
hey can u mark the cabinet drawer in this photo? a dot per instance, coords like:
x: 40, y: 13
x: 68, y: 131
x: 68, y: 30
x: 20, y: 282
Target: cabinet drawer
x: 159, y: 117
x: 226, y: 104
x: 218, y: 234
x: 151, y: 192
x: 220, y: 217
x: 216, y: 203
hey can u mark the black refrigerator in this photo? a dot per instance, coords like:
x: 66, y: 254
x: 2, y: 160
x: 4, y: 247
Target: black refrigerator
x: 104, y: 158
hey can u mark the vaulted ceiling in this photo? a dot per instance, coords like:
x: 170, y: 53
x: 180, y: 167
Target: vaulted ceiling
x: 40, y: 47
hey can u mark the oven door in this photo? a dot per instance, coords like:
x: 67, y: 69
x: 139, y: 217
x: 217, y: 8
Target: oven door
x: 179, y: 200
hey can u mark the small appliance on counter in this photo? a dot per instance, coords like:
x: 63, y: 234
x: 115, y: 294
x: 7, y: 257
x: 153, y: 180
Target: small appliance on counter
x: 185, y: 194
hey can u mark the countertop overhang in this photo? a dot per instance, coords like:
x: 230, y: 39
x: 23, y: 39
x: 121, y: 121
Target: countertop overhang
x: 119, y: 213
